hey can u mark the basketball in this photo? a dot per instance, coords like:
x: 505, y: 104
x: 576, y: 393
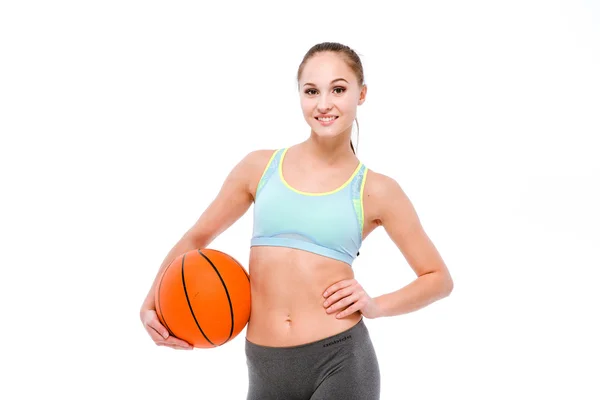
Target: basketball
x: 203, y: 297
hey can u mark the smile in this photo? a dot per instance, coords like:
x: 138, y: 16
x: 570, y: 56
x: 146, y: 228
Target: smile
x: 326, y: 121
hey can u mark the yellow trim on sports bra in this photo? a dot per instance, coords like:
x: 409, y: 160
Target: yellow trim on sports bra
x: 310, y: 193
x: 362, y: 202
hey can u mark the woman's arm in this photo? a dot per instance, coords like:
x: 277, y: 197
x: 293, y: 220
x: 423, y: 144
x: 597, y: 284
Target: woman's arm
x: 233, y: 200
x: 395, y: 212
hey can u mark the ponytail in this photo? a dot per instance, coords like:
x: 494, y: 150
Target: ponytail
x: 357, y: 132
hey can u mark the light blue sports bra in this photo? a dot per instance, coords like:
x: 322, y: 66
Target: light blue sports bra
x: 329, y: 224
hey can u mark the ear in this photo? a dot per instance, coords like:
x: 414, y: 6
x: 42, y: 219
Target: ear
x: 363, y: 95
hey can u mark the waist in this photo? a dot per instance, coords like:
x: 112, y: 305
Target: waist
x: 287, y: 297
x: 356, y: 334
x: 336, y: 252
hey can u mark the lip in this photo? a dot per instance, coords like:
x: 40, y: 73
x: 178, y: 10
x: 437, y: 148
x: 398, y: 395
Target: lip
x: 326, y: 123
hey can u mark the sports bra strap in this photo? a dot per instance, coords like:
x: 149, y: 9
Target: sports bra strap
x: 357, y: 189
x: 271, y: 167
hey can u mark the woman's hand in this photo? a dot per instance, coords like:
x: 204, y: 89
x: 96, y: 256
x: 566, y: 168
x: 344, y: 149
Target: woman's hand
x: 350, y: 296
x: 160, y: 334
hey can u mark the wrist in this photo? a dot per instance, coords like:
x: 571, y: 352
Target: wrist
x: 146, y: 306
x: 379, y: 307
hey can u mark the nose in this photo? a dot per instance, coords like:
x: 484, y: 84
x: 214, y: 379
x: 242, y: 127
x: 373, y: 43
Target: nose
x: 324, y: 103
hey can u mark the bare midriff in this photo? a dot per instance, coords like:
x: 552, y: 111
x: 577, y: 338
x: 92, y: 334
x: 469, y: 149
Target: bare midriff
x: 287, y: 288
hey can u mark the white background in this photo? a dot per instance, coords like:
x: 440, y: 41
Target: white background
x: 120, y: 120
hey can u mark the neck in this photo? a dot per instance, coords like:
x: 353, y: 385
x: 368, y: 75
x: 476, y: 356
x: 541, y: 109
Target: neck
x: 329, y: 150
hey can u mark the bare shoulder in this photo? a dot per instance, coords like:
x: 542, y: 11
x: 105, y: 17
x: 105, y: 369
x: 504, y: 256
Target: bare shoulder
x: 384, y: 194
x: 380, y: 184
x: 257, y: 159
x: 253, y: 166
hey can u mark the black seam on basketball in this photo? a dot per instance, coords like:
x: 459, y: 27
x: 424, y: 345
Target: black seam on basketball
x: 159, y: 306
x: 226, y: 292
x: 235, y: 261
x: 189, y: 303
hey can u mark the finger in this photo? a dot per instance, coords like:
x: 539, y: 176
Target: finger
x: 338, y: 295
x: 339, y: 285
x: 155, y: 325
x: 176, y: 347
x: 156, y: 337
x: 346, y: 301
x: 173, y: 342
x: 177, y: 342
x: 350, y: 310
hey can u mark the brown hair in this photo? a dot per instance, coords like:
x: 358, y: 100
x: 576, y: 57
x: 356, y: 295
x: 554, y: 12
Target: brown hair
x: 349, y: 56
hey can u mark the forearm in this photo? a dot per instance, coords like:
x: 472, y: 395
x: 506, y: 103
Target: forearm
x: 185, y: 244
x: 423, y: 291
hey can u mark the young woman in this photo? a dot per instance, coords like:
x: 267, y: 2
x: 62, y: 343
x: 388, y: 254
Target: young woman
x: 314, y: 204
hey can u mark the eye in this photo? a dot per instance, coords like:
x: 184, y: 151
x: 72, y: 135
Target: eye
x: 310, y: 91
x: 339, y: 88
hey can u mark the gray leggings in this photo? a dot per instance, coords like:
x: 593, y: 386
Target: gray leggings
x: 343, y: 366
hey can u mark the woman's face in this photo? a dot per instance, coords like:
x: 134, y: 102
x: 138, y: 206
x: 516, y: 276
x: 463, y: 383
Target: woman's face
x: 329, y: 94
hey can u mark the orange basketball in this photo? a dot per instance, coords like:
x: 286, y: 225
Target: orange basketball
x: 203, y: 297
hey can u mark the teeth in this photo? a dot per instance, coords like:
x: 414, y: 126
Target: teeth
x: 326, y: 119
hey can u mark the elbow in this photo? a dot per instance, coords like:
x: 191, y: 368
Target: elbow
x: 200, y: 240
x: 444, y: 283
x: 200, y: 236
x: 447, y: 286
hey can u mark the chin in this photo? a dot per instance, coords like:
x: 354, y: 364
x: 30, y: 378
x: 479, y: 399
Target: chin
x: 325, y: 133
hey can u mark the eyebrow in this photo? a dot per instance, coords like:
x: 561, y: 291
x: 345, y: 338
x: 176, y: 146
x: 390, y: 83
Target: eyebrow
x: 335, y: 80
